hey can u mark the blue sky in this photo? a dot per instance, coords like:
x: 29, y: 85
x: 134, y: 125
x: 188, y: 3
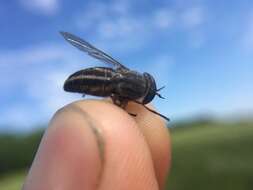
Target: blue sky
x: 202, y: 50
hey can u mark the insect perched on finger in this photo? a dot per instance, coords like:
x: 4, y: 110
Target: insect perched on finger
x: 119, y: 82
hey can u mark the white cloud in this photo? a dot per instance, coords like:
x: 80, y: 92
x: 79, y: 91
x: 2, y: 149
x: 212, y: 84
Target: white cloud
x: 39, y: 72
x: 164, y: 18
x: 30, y: 55
x: 114, y: 25
x: 47, y: 7
x: 121, y: 7
x: 32, y: 62
x: 48, y: 92
x: 193, y: 17
x: 119, y: 24
x: 121, y: 28
x: 45, y: 96
x: 91, y: 15
x: 111, y: 22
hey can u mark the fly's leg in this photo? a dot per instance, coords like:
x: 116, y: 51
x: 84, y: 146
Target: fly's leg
x: 153, y: 111
x: 121, y: 102
x: 133, y: 114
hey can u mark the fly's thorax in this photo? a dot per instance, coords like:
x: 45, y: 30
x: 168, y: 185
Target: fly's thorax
x: 150, y: 88
x: 129, y: 84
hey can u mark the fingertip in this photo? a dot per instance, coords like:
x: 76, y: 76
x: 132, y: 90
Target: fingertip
x: 157, y: 136
x: 68, y: 156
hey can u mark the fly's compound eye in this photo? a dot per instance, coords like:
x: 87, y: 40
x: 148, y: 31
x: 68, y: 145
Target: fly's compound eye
x: 151, y: 88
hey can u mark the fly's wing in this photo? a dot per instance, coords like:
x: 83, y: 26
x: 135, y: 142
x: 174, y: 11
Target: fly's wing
x: 91, y: 50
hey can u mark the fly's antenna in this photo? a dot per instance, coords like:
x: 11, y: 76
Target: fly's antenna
x: 153, y: 111
x: 160, y: 88
x: 159, y: 95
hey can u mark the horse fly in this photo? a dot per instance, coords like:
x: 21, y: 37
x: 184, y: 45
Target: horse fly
x: 118, y: 82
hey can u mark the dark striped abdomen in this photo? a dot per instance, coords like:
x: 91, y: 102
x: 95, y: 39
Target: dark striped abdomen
x: 94, y: 81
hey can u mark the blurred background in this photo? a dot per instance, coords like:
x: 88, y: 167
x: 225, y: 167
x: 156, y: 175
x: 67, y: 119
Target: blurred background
x: 201, y: 50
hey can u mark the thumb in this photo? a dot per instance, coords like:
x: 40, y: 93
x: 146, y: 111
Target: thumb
x: 68, y: 155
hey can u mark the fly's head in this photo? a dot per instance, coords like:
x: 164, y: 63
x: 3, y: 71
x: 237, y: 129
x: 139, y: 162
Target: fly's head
x: 151, y: 90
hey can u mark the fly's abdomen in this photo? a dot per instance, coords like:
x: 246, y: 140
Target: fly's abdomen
x: 93, y: 81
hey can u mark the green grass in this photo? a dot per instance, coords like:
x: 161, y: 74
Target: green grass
x: 212, y: 157
x: 12, y: 181
x: 205, y: 156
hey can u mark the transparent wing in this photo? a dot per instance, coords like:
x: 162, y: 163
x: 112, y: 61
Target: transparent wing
x: 91, y: 50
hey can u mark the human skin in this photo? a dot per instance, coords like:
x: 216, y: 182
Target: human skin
x: 95, y: 145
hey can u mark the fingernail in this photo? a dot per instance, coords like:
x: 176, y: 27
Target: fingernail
x: 100, y: 141
x: 93, y: 126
